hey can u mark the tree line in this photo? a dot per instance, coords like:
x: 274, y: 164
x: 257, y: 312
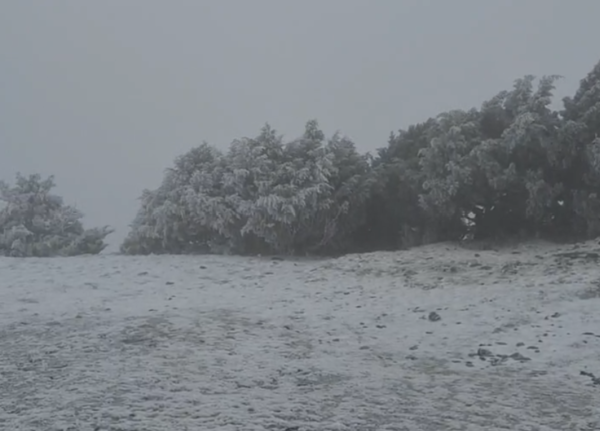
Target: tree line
x: 514, y: 167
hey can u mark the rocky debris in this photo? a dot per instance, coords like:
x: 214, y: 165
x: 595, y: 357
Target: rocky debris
x: 595, y: 380
x: 510, y: 268
x: 519, y: 357
x: 484, y: 353
x: 591, y: 334
x: 495, y: 359
x: 585, y: 255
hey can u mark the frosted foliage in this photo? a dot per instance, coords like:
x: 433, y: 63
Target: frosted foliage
x: 486, y: 160
x: 263, y: 195
x: 34, y: 222
x: 172, y: 219
x: 513, y: 166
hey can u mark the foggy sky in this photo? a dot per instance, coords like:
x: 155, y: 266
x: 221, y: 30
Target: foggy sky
x: 105, y: 94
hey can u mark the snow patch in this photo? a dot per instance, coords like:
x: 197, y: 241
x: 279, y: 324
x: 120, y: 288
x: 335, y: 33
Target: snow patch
x: 435, y: 338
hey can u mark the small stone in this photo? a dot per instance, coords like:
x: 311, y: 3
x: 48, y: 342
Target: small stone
x: 518, y: 357
x: 434, y: 317
x: 484, y: 353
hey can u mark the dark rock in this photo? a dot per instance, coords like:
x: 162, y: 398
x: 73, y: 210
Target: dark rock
x: 434, y: 317
x: 497, y: 361
x: 518, y: 357
x: 484, y: 353
x: 595, y: 380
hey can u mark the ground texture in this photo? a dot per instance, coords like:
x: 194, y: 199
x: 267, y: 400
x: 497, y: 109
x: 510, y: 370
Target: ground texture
x: 436, y: 338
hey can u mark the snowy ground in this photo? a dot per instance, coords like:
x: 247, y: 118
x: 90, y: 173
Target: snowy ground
x: 228, y: 343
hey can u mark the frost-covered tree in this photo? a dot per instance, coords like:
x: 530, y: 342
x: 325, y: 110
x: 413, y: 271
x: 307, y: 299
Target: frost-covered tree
x: 579, y: 157
x: 180, y: 215
x: 289, y: 207
x: 512, y: 166
x: 496, y: 166
x: 35, y: 222
x: 394, y: 217
x: 262, y: 196
x: 306, y: 195
x: 496, y: 169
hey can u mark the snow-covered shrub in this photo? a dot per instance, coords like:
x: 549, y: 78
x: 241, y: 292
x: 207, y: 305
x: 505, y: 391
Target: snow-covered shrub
x: 493, y: 166
x: 579, y: 156
x: 34, y: 222
x: 167, y: 222
x: 392, y: 208
x: 309, y: 194
x: 262, y: 196
x: 513, y: 166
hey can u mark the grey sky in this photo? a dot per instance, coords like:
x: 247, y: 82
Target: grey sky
x: 104, y: 94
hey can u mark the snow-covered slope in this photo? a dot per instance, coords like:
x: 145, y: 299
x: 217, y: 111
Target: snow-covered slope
x: 436, y: 338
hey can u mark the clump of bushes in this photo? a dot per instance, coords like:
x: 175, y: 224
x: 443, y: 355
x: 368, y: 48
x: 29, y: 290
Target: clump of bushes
x: 514, y: 166
x: 36, y: 223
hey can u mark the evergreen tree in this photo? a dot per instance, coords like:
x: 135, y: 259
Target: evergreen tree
x: 36, y: 223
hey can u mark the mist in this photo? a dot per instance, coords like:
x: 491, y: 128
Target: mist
x: 104, y: 95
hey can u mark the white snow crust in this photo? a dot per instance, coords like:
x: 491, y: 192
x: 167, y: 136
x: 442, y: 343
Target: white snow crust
x: 181, y: 343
